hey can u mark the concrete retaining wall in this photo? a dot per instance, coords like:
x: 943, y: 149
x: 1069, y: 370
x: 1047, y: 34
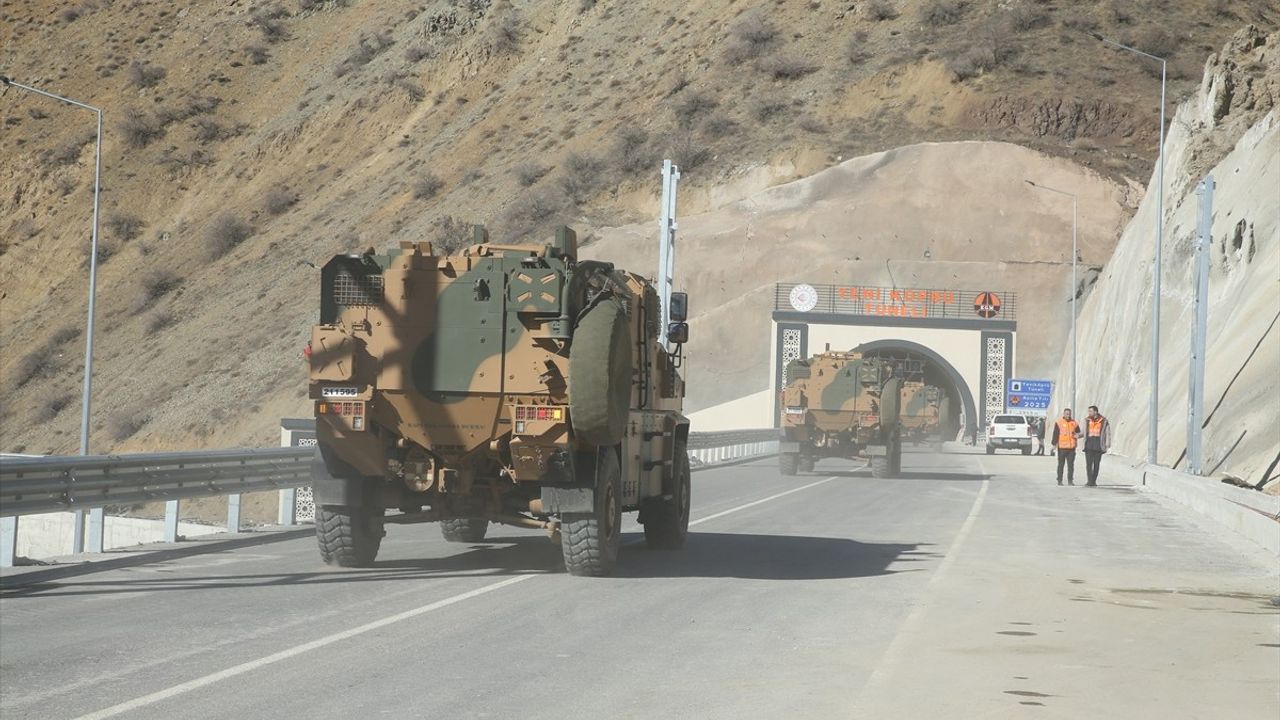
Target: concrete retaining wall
x: 1248, y: 513
x: 49, y: 534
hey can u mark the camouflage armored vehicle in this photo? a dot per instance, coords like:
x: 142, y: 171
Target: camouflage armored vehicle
x: 512, y: 384
x: 840, y: 404
x: 921, y: 407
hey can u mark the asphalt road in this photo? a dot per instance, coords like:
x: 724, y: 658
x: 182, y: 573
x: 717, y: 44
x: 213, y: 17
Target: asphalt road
x: 972, y: 587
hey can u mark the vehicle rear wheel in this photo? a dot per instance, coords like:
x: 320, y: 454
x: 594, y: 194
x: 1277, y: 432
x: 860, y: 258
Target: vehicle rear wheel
x: 807, y: 463
x: 349, y: 536
x: 991, y: 450
x: 895, y: 458
x: 464, y: 530
x: 1026, y: 451
x: 666, y: 520
x: 788, y: 463
x: 589, y: 542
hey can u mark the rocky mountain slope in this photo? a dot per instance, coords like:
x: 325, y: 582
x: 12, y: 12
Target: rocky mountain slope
x: 1231, y: 130
x: 246, y: 140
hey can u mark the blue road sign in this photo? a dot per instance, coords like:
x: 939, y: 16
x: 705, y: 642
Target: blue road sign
x: 1030, y: 387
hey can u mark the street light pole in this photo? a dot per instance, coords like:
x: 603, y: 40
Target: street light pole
x: 1153, y: 421
x: 1075, y: 287
x: 96, y: 514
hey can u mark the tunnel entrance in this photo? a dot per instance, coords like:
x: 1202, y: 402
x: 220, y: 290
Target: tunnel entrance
x: 914, y: 361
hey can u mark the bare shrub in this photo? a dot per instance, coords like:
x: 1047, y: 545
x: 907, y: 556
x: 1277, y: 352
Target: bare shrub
x: 809, y: 123
x: 692, y: 106
x: 278, y: 199
x: 51, y: 407
x: 1027, y: 16
x: 155, y: 284
x: 33, y: 365
x: 427, y: 186
x: 139, y: 128
x: 270, y: 22
x: 224, y: 233
x: 631, y: 151
x: 69, y: 152
x: 368, y: 48
x: 878, y: 10
x: 143, y: 74
x: 716, y: 126
x: 1080, y: 23
x: 970, y: 63
x: 125, y: 226
x: 207, y: 129
x: 448, y: 235
x: 688, y: 152
x: 581, y: 175
x: 785, y: 67
x: 1155, y: 40
x: 536, y: 208
x: 752, y: 36
x: 507, y: 29
x: 257, y: 54
x: 417, y: 53
x: 106, y: 250
x: 64, y: 335
x: 942, y: 12
x: 1120, y: 12
x: 412, y: 89
x: 159, y: 320
x: 124, y: 425
x: 529, y: 172
x: 766, y: 108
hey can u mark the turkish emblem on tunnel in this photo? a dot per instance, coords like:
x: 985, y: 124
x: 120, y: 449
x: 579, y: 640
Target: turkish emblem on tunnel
x: 987, y: 304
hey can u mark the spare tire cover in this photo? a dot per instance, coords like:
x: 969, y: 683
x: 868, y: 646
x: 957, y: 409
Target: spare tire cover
x: 600, y: 374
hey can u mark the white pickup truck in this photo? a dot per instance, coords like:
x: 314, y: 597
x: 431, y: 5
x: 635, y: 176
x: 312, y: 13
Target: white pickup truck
x: 1009, y: 432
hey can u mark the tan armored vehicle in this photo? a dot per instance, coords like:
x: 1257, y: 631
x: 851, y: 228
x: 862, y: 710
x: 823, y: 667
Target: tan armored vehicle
x: 508, y: 383
x: 921, y: 412
x: 840, y: 404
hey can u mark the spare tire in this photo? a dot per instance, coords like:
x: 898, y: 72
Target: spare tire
x: 600, y: 374
x: 890, y: 402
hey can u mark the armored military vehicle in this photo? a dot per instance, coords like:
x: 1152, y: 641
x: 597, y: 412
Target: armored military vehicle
x: 921, y: 412
x: 507, y: 383
x: 840, y: 404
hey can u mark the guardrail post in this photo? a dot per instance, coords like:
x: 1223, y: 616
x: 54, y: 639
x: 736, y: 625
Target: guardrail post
x: 171, y: 521
x: 8, y: 540
x: 289, y: 506
x: 97, y: 529
x: 233, y: 513
x: 77, y: 533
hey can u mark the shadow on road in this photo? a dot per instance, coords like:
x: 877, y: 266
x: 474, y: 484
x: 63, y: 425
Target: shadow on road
x: 770, y: 557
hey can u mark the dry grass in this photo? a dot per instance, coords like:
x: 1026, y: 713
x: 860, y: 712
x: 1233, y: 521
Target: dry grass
x: 427, y: 186
x: 529, y: 172
x: 139, y: 129
x: 278, y: 199
x: 225, y: 233
x: 125, y: 226
x: 142, y: 74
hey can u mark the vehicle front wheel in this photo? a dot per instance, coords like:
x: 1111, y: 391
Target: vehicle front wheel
x: 349, y: 536
x: 589, y: 542
x: 1026, y: 451
x: 991, y: 450
x: 788, y: 463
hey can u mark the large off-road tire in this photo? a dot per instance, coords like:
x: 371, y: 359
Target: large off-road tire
x: 600, y: 375
x: 1026, y: 451
x: 666, y: 520
x: 991, y: 450
x: 464, y: 530
x: 590, y: 541
x: 349, y: 536
x: 788, y: 463
x: 807, y: 463
x: 890, y: 405
x: 895, y: 458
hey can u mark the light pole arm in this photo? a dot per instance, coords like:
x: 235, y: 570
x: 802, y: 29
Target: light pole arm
x: 7, y: 81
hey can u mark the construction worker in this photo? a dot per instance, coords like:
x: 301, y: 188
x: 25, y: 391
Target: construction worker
x: 1097, y: 441
x: 1065, y: 432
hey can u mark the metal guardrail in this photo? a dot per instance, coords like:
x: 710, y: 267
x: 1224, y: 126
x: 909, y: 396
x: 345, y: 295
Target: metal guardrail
x: 50, y: 484
x: 44, y: 484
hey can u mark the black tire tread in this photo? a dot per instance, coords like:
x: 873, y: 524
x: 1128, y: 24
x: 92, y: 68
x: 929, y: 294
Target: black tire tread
x: 464, y: 530
x: 582, y: 541
x: 788, y: 463
x: 342, y: 540
x: 665, y: 527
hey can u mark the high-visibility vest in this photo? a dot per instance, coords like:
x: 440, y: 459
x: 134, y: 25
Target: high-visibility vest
x: 1095, y: 427
x: 1067, y: 434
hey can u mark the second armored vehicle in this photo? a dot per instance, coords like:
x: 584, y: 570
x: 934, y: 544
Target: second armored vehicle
x: 841, y: 404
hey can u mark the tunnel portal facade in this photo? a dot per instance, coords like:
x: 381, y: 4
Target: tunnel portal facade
x: 961, y: 341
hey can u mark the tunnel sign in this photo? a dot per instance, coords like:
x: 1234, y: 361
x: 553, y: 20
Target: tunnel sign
x: 986, y: 304
x: 1028, y: 394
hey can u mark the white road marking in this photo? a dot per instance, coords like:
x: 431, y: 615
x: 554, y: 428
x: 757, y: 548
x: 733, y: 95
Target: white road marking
x: 297, y: 650
x: 722, y: 513
x: 890, y: 658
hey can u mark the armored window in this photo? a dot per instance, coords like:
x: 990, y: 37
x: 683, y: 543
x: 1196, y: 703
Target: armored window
x: 352, y: 289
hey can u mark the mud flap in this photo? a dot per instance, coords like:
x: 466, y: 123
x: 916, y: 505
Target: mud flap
x: 560, y: 500
x: 788, y: 447
x: 876, y: 451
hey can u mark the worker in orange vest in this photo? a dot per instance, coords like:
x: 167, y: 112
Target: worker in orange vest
x: 1065, y: 432
x: 1097, y: 441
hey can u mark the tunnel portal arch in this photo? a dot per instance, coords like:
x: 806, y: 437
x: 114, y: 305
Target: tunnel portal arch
x: 941, y: 369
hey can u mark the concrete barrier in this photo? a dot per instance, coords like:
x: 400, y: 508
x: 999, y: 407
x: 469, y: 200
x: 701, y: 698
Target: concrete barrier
x: 49, y: 534
x: 1251, y: 514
